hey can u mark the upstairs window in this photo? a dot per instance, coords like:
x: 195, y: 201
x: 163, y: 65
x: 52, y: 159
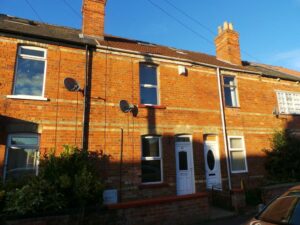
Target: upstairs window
x: 21, y: 155
x: 151, y: 159
x: 237, y: 154
x: 30, y: 72
x: 230, y: 91
x: 148, y: 84
x: 288, y: 102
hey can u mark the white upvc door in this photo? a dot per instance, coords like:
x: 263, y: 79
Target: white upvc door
x: 185, y: 181
x: 212, y: 165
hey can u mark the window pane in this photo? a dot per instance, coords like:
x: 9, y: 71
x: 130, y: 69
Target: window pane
x: 183, y: 162
x: 32, y: 52
x: 182, y: 139
x: 236, y: 143
x: 238, y: 162
x: 230, y: 96
x: 21, y: 161
x: 148, y: 96
x: 229, y: 80
x: 150, y: 147
x: 29, y: 77
x: 24, y: 140
x: 151, y: 171
x: 148, y: 74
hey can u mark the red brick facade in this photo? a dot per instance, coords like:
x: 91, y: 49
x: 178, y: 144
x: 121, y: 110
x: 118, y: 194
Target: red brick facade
x: 188, y: 105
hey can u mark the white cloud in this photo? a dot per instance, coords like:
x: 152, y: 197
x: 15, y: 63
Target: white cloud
x: 289, y: 58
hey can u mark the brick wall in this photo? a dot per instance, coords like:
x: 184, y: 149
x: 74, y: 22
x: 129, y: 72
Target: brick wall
x: 176, y: 210
x: 190, y: 106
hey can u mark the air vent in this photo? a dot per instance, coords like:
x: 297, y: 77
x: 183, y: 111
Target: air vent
x: 20, y: 21
x: 182, y: 53
x: 146, y: 44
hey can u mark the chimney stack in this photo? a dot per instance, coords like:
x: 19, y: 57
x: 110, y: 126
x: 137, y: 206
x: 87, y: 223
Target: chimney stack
x: 93, y: 14
x: 227, y: 44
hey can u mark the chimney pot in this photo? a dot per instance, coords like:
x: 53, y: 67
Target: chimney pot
x: 225, y: 25
x: 220, y: 30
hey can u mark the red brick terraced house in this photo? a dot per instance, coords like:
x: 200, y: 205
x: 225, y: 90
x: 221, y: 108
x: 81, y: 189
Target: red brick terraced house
x: 202, y: 120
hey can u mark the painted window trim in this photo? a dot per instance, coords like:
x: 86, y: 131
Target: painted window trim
x: 157, y: 86
x: 236, y: 91
x: 278, y: 104
x: 37, y: 58
x: 27, y: 97
x: 243, y: 149
x: 154, y: 158
x: 8, y: 145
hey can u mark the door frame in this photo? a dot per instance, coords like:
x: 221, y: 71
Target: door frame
x: 192, y: 162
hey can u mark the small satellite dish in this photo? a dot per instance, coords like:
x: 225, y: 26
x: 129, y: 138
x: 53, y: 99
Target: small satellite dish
x: 125, y: 106
x: 71, y: 84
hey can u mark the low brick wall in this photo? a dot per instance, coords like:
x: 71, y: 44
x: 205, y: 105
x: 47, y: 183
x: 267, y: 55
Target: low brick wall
x: 270, y: 192
x: 175, y: 210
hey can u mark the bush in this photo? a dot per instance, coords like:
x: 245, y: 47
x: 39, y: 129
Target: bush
x: 73, y: 179
x: 38, y: 196
x: 283, y: 159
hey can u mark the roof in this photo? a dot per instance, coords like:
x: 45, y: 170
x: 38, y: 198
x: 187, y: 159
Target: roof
x: 31, y: 29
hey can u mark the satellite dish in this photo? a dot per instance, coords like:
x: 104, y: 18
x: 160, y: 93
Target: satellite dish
x: 125, y: 106
x: 71, y: 84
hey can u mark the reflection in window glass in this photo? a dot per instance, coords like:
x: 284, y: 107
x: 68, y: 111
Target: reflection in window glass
x: 230, y: 91
x: 237, y: 154
x: 150, y: 147
x: 237, y: 161
x: 148, y: 74
x: 19, y: 140
x: 151, y: 171
x: 32, y: 52
x: 148, y: 95
x: 151, y: 159
x: 30, y: 72
x: 148, y: 84
x: 22, y: 155
x: 236, y: 143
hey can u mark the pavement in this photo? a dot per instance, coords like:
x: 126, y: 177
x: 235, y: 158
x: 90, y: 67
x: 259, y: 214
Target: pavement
x: 224, y: 217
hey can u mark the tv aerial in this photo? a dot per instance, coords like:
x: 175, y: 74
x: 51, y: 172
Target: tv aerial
x: 126, y: 107
x: 72, y: 85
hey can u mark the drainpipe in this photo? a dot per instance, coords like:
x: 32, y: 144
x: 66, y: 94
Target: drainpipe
x: 85, y: 100
x: 224, y: 126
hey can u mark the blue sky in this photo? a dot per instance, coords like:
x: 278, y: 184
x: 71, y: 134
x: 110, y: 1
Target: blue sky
x: 269, y: 29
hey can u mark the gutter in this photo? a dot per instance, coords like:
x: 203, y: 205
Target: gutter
x: 224, y: 129
x: 38, y: 38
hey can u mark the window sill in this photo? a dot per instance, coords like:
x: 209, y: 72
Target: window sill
x: 232, y: 107
x: 27, y: 97
x: 237, y: 172
x: 152, y: 106
x: 153, y: 186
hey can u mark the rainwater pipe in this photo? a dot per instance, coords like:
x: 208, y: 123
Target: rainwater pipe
x: 224, y: 126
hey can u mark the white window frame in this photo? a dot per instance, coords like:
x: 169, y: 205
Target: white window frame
x: 150, y: 158
x: 235, y: 86
x: 242, y: 149
x: 150, y: 85
x: 9, y: 145
x: 285, y: 107
x: 31, y: 57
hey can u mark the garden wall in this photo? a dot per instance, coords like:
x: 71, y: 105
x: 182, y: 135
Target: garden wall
x: 175, y: 210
